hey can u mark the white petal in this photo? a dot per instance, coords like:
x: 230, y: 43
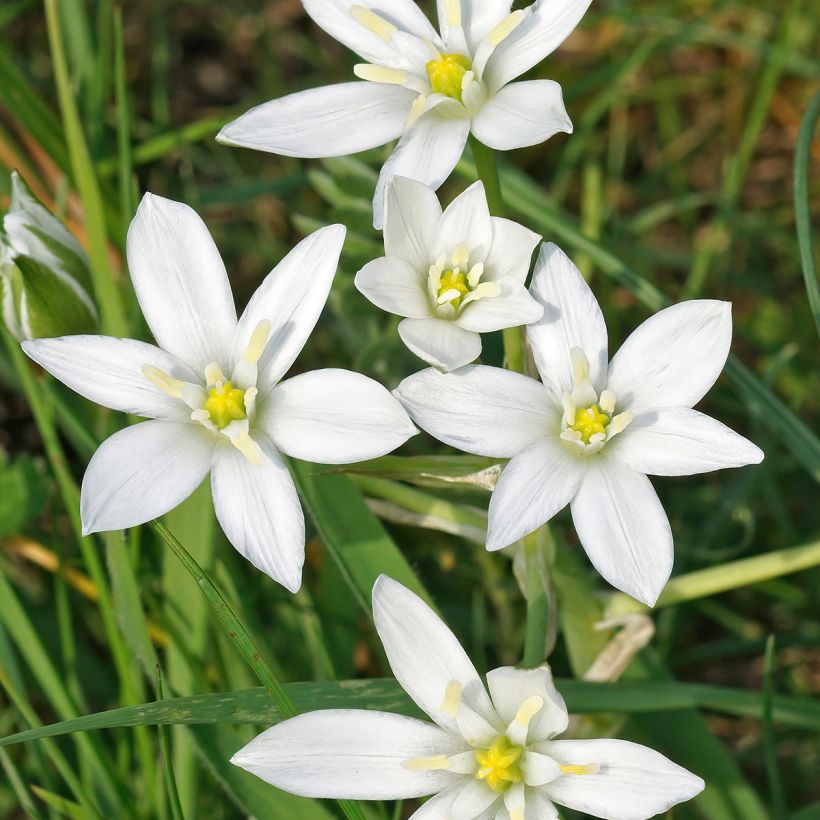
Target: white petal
x: 181, y: 283
x: 393, y: 285
x: 330, y: 121
x: 674, y: 357
x: 632, y: 781
x: 510, y: 252
x: 334, y: 417
x: 680, y: 441
x: 440, y: 342
x: 466, y: 220
x: 439, y: 804
x: 108, y: 371
x: 291, y: 297
x: 532, y: 488
x: 512, y: 307
x: 348, y: 753
x: 510, y: 687
x: 522, y: 114
x: 539, y: 807
x: 259, y: 511
x: 142, y: 472
x: 623, y: 528
x: 547, y: 25
x: 483, y: 410
x: 335, y: 18
x: 475, y: 798
x: 572, y: 318
x: 480, y: 17
x: 424, y: 654
x: 411, y: 216
x: 428, y: 152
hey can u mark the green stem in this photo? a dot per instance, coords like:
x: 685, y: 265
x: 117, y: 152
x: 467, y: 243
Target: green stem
x: 487, y: 172
x: 537, y: 634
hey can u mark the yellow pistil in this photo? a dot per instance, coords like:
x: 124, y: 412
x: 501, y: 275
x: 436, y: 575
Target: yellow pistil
x: 499, y: 765
x: 225, y: 403
x: 446, y: 74
x: 590, y: 421
x: 454, y: 280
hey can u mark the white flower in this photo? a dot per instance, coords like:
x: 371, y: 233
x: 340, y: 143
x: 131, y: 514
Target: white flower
x: 488, y: 758
x: 202, y: 420
x: 430, y: 89
x: 453, y: 275
x: 588, y: 435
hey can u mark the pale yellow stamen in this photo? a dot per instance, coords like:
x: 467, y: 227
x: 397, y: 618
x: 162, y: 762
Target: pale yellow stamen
x: 426, y: 764
x: 517, y: 813
x: 460, y: 256
x: 580, y: 768
x: 580, y: 365
x: 528, y: 710
x: 248, y: 447
x: 213, y: 374
x: 380, y: 74
x: 173, y: 387
x: 619, y: 423
x: 452, y: 12
x: 256, y: 346
x: 569, y: 408
x: 607, y: 401
x: 416, y: 110
x: 505, y: 27
x: 370, y: 20
x: 452, y: 698
x: 475, y: 274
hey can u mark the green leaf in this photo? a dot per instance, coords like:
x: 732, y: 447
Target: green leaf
x: 431, y: 471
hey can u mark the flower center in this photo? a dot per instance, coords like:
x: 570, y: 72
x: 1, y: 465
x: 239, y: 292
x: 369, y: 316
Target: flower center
x: 453, y: 280
x: 447, y: 73
x: 225, y: 403
x: 589, y: 422
x: 453, y: 283
x: 499, y: 766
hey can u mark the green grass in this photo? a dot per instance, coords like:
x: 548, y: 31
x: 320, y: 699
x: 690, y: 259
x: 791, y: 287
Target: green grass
x: 693, y: 170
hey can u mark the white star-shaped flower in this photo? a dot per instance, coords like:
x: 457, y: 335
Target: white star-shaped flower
x: 429, y: 88
x: 213, y: 393
x: 487, y: 757
x: 453, y: 275
x: 591, y: 430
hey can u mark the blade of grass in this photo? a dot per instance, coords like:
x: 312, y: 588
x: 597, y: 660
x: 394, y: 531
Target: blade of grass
x: 165, y: 754
x: 778, y: 795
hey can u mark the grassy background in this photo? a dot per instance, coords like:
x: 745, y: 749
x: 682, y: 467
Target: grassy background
x: 676, y: 183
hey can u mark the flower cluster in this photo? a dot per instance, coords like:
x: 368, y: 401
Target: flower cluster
x: 586, y: 433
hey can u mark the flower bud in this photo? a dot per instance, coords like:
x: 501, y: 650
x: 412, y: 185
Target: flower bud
x: 45, y: 280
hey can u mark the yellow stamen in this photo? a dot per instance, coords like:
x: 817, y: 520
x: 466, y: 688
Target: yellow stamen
x: 528, y: 710
x: 580, y: 365
x: 505, y: 27
x: 452, y: 698
x: 380, y: 74
x: 426, y: 764
x: 173, y: 387
x: 225, y: 403
x: 256, y: 346
x: 453, y: 286
x: 580, y: 768
x: 590, y: 422
x: 214, y: 374
x: 499, y: 765
x: 446, y: 73
x: 370, y: 20
x: 452, y: 12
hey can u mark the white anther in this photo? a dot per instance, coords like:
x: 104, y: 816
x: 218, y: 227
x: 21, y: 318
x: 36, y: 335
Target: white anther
x: 571, y: 435
x: 484, y: 290
x: 214, y: 375
x: 460, y: 255
x: 619, y: 423
x: 607, y: 401
x: 569, y: 409
x: 448, y: 296
x: 372, y: 21
x: 249, y: 400
x: 203, y: 417
x: 475, y: 274
x: 171, y: 386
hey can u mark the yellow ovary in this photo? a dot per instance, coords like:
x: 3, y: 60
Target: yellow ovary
x: 446, y: 74
x: 499, y: 765
x: 589, y: 422
x: 225, y: 403
x: 454, y: 280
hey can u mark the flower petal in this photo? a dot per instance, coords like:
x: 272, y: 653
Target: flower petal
x: 674, y: 357
x: 291, y: 298
x: 142, y: 472
x: 681, y: 441
x: 510, y: 687
x: 108, y: 371
x: 547, y: 25
x: 424, y: 654
x: 532, y: 488
x: 330, y: 121
x: 623, y: 528
x: 439, y: 804
x: 512, y: 307
x: 466, y: 220
x: 411, y: 217
x: 335, y: 18
x: 632, y: 781
x: 478, y: 409
x: 348, y: 753
x: 181, y: 283
x: 480, y: 17
x: 539, y: 807
x: 334, y: 417
x: 259, y: 511
x: 472, y: 801
x: 393, y: 285
x: 428, y: 152
x: 522, y: 114
x: 572, y: 318
x: 440, y: 342
x: 510, y: 252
